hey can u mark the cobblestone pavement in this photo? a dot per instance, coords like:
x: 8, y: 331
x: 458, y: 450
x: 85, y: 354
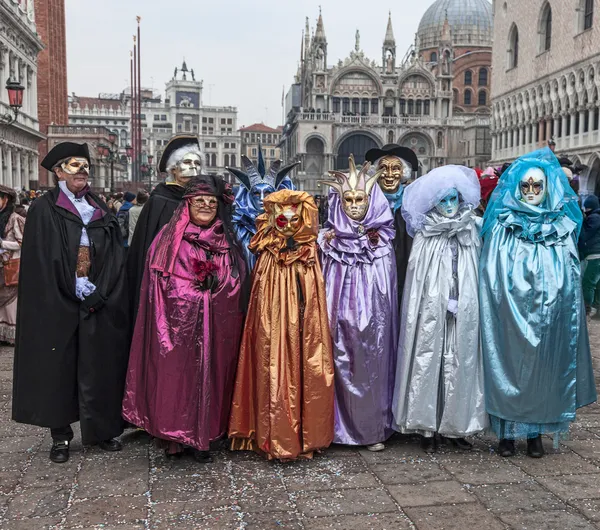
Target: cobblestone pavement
x: 343, y: 488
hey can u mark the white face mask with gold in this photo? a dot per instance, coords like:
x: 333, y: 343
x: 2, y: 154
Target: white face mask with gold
x: 75, y: 165
x: 533, y: 186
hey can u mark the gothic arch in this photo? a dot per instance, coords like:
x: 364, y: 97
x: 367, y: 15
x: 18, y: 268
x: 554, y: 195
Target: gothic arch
x: 359, y: 69
x: 356, y: 140
x: 317, y: 135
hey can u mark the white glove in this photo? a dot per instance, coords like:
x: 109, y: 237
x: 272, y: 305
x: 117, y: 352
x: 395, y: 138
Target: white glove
x: 83, y: 287
x: 453, y: 306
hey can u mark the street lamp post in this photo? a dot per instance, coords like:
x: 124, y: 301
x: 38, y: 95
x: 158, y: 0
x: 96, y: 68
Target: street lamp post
x: 111, y: 155
x: 15, y: 100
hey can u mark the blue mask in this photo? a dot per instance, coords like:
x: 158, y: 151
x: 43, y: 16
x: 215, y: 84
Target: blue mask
x: 448, y: 206
x: 258, y: 194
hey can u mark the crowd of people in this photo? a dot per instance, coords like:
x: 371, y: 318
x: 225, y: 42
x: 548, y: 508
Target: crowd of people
x: 439, y: 307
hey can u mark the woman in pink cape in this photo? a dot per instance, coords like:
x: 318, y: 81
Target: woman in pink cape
x: 189, y: 324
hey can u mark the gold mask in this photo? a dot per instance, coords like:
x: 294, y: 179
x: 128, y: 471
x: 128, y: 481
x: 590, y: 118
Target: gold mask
x: 394, y: 172
x: 287, y: 218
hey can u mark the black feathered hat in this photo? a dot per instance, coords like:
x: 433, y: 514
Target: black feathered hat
x: 65, y: 150
x: 405, y: 153
x: 176, y: 142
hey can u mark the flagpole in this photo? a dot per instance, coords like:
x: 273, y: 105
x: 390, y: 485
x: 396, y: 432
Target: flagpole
x: 139, y: 87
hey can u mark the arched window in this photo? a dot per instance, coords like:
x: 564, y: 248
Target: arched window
x: 232, y: 161
x: 483, y: 77
x: 467, y: 97
x: 213, y: 160
x: 390, y: 137
x: 440, y: 140
x: 207, y: 160
x: 468, y: 77
x: 433, y: 57
x: 226, y: 160
x: 545, y: 28
x: 513, y: 47
x: 482, y: 98
x: 411, y: 107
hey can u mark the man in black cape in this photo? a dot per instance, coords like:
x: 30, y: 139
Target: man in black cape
x: 72, y: 345
x: 398, y: 165
x: 181, y: 160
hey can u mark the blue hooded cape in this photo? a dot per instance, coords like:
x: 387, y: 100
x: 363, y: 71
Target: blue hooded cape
x: 537, y: 361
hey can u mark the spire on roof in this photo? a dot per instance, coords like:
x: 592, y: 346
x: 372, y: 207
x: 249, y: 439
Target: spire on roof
x: 389, y: 34
x: 446, y: 36
x: 320, y: 32
x: 184, y: 67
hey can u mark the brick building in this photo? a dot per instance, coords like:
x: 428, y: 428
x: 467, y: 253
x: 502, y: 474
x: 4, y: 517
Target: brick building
x: 52, y: 72
x: 434, y: 100
x: 546, y: 78
x: 265, y: 136
x: 19, y: 49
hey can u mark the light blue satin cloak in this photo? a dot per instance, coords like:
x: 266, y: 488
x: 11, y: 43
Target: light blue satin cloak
x: 537, y: 360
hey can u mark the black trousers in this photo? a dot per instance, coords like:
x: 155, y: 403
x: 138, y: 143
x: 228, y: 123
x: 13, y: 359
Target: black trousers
x: 62, y: 434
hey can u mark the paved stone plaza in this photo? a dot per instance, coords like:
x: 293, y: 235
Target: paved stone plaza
x: 341, y: 489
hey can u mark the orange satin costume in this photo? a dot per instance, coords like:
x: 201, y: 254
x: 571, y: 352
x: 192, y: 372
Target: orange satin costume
x: 283, y: 398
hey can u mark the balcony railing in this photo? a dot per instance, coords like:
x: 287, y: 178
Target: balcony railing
x: 409, y: 121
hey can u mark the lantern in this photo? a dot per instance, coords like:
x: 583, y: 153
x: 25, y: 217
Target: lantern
x: 129, y: 151
x: 112, y: 137
x: 15, y: 94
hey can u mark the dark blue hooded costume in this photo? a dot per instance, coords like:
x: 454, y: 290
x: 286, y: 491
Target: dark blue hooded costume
x: 256, y: 184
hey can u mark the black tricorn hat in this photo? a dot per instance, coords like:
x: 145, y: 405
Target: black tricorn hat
x: 65, y: 150
x: 176, y: 143
x: 405, y: 153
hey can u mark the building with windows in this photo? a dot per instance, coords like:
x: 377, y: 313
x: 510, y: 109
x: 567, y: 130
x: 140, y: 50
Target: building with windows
x: 19, y: 49
x: 546, y: 76
x: 434, y: 100
x: 263, y: 136
x: 181, y: 112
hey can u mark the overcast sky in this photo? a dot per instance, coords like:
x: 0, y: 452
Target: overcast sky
x: 245, y: 51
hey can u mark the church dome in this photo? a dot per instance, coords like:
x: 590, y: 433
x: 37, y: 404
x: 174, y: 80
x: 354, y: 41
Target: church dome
x: 470, y: 23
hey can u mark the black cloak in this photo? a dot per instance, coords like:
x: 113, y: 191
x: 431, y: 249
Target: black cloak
x: 70, y: 364
x: 402, y: 247
x: 155, y: 214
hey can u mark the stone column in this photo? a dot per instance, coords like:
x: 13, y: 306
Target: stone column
x: 19, y: 176
x: 572, y: 112
x: 9, y: 167
x: 582, y: 112
x: 563, y: 127
x: 548, y: 128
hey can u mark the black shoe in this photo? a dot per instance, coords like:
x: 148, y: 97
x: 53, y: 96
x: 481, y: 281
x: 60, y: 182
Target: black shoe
x: 59, y: 453
x: 110, y: 445
x: 535, y: 447
x: 428, y: 444
x: 202, y: 456
x: 506, y: 448
x: 462, y: 444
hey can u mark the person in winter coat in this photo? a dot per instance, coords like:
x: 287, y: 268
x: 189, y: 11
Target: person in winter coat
x: 589, y: 249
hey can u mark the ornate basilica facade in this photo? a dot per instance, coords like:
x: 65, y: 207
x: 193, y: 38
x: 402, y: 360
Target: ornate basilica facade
x: 434, y: 100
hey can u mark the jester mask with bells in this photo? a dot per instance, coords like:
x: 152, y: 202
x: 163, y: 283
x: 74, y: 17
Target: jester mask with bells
x: 354, y: 188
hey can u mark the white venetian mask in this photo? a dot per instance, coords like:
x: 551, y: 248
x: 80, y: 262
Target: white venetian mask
x: 533, y: 186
